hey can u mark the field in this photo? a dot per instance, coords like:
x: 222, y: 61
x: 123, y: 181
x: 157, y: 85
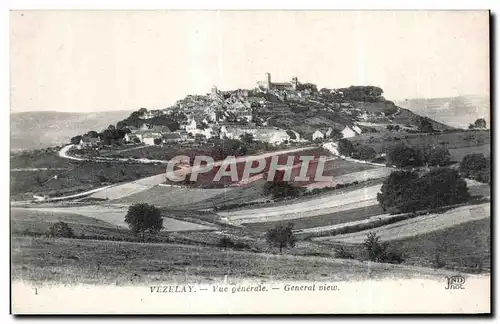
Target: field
x: 416, y: 226
x: 81, y: 176
x: 462, y: 247
x: 337, y: 201
x: 73, y: 261
x: 323, y: 220
x: 47, y: 158
x: 380, y: 142
x: 457, y: 154
x: 38, y: 220
x: 163, y: 196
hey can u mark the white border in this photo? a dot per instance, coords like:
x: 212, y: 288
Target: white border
x: 185, y: 4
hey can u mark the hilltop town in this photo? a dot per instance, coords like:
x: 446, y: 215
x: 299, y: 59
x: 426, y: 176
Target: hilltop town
x: 273, y: 112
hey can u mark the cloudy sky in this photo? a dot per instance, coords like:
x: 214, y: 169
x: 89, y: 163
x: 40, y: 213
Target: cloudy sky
x: 123, y: 60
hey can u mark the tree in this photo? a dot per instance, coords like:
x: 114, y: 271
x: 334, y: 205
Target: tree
x: 438, y: 157
x: 75, y: 140
x: 92, y: 134
x: 247, y: 138
x: 61, y: 229
x: 281, y: 189
x: 345, y: 147
x: 336, y: 134
x: 472, y: 163
x: 406, y: 192
x: 396, y: 189
x: 364, y: 152
x: 480, y: 123
x: 143, y: 218
x: 402, y: 156
x: 424, y: 125
x: 281, y: 235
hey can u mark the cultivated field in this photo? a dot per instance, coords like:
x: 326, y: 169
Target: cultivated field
x: 416, y: 226
x: 380, y: 142
x: 111, y: 215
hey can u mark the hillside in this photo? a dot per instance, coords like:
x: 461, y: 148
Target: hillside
x: 39, y: 129
x: 454, y: 111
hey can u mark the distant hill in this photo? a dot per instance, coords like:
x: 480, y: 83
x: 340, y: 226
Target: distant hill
x: 40, y: 129
x: 454, y: 111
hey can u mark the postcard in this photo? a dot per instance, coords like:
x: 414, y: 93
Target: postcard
x: 250, y: 162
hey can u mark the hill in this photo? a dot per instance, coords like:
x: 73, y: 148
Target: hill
x: 454, y: 111
x: 39, y: 129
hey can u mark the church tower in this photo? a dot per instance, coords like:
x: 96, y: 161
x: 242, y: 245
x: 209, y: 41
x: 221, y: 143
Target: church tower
x: 294, y: 83
x: 267, y: 81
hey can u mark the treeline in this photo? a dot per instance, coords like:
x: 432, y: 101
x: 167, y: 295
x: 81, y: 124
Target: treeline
x: 406, y: 191
x: 363, y: 93
x: 115, y: 133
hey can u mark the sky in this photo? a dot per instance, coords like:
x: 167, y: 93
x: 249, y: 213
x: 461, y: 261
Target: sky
x: 85, y: 61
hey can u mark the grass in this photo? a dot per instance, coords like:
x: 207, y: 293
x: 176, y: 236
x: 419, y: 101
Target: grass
x: 380, y: 142
x: 44, y: 158
x: 457, y: 154
x: 323, y: 220
x: 85, y: 175
x: 464, y: 247
x: 74, y: 261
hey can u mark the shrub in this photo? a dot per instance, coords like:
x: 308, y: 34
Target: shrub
x: 375, y: 249
x: 342, y: 253
x: 61, y: 229
x: 472, y: 163
x: 225, y: 242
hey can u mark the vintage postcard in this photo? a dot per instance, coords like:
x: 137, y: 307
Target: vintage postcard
x: 250, y: 162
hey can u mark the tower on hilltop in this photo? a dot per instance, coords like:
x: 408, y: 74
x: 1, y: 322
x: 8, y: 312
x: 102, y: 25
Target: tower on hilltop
x: 267, y: 81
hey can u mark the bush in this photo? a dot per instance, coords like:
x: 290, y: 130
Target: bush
x: 364, y: 152
x: 472, y: 163
x: 375, y: 249
x: 61, y: 229
x: 342, y: 253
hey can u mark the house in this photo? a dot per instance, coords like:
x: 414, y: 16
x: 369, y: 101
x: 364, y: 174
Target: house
x: 174, y: 137
x: 357, y: 129
x: 87, y: 141
x: 318, y: 135
x: 279, y: 137
x: 348, y: 132
x: 152, y: 139
x: 131, y: 138
x: 264, y: 134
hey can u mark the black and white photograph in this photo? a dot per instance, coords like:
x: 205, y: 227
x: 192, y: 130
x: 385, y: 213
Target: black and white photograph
x: 250, y: 162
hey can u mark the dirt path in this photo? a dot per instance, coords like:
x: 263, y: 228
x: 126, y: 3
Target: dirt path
x: 416, y: 226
